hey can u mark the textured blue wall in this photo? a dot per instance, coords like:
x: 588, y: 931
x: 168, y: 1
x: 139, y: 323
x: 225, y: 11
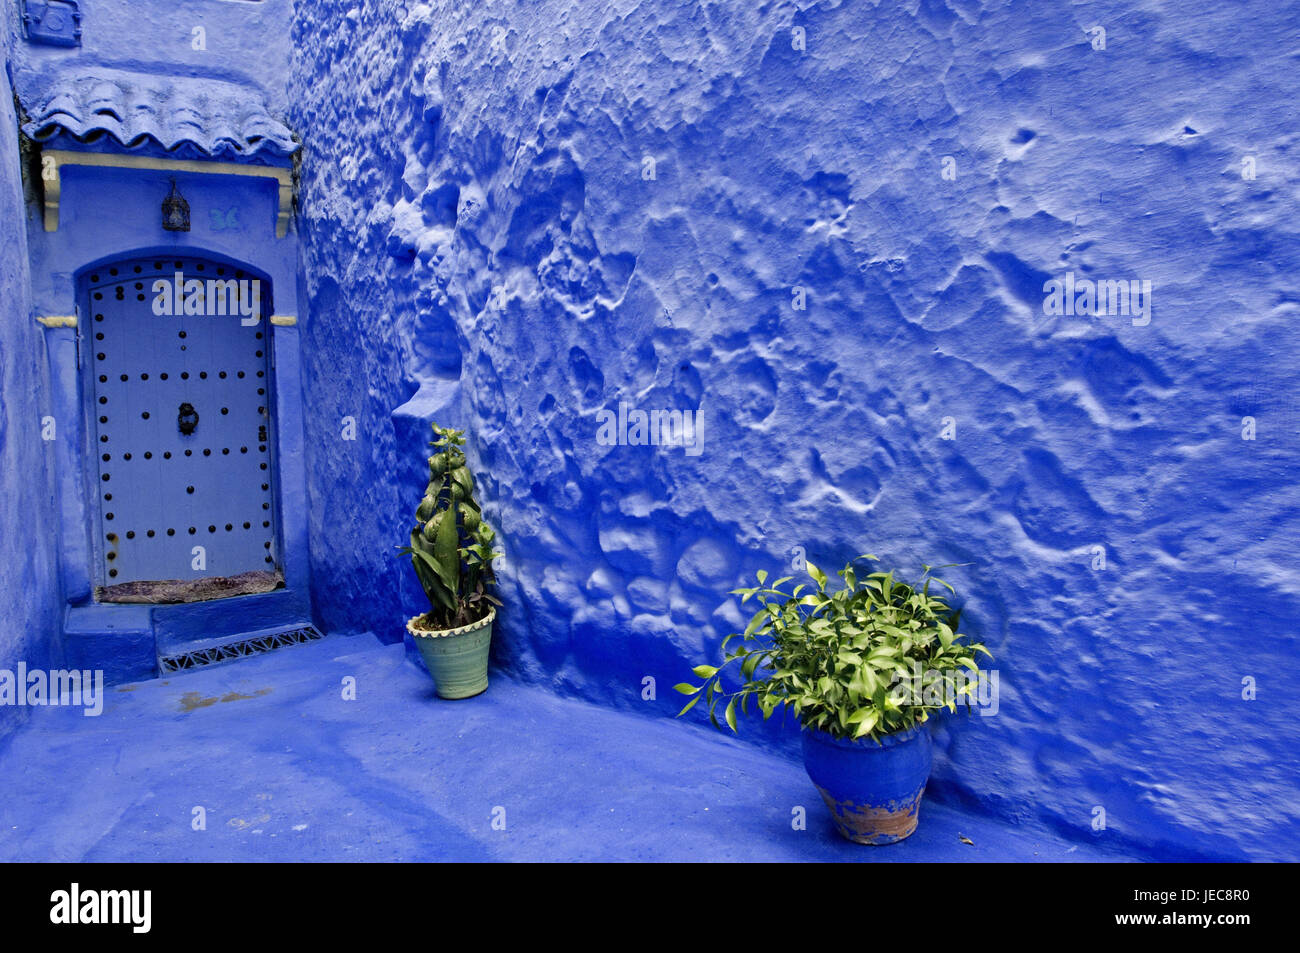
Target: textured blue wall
x: 479, y: 208
x: 29, y: 597
x: 245, y: 43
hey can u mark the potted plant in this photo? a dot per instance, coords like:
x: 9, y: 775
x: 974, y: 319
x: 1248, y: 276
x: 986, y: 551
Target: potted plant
x: 451, y: 549
x: 862, y: 668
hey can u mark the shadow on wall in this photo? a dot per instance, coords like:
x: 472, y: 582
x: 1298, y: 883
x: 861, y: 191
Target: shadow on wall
x: 29, y: 597
x: 355, y: 521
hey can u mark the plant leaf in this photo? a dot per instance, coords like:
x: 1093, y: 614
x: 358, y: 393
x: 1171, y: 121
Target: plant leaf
x: 447, y: 551
x: 818, y: 575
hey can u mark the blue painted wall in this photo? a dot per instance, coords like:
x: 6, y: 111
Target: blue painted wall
x: 225, y: 40
x: 29, y: 595
x: 521, y: 214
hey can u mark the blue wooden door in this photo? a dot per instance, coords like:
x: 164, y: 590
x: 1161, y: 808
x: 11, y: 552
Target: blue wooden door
x: 178, y: 351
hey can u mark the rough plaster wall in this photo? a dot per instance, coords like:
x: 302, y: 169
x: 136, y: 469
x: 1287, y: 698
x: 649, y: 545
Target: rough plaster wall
x: 228, y: 40
x: 475, y: 207
x: 28, y: 575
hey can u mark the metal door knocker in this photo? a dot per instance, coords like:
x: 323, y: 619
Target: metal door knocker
x: 187, y: 418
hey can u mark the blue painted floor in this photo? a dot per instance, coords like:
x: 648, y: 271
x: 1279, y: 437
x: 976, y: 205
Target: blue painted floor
x: 285, y: 769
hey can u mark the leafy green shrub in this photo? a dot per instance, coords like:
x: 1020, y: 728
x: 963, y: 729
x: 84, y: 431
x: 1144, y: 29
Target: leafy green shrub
x: 451, y: 545
x: 868, y: 660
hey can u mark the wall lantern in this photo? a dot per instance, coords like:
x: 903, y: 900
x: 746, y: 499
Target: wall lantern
x: 175, y: 211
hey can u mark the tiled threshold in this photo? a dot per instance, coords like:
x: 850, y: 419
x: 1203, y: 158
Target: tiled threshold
x: 285, y: 768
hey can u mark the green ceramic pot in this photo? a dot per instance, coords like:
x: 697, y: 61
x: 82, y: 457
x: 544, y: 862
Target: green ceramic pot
x: 456, y: 658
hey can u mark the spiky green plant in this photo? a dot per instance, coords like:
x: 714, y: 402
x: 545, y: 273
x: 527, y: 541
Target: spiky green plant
x: 451, y: 545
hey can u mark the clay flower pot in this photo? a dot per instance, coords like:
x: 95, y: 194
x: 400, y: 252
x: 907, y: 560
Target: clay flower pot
x: 456, y: 658
x: 873, y: 788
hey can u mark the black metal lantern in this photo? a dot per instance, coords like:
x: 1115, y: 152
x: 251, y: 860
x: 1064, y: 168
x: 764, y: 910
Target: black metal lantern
x: 175, y: 211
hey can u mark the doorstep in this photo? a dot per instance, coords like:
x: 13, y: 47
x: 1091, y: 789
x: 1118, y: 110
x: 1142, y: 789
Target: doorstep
x: 126, y: 640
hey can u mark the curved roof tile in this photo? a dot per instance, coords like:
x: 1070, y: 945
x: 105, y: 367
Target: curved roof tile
x: 221, y: 119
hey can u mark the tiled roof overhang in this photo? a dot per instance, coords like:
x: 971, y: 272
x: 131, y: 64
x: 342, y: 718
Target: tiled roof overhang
x: 185, y: 116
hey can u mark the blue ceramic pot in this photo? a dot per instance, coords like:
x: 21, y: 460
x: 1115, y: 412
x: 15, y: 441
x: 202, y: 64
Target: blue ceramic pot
x: 873, y: 788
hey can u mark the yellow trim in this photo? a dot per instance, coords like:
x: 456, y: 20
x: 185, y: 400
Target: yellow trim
x: 284, y: 320
x: 62, y: 157
x: 59, y: 321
